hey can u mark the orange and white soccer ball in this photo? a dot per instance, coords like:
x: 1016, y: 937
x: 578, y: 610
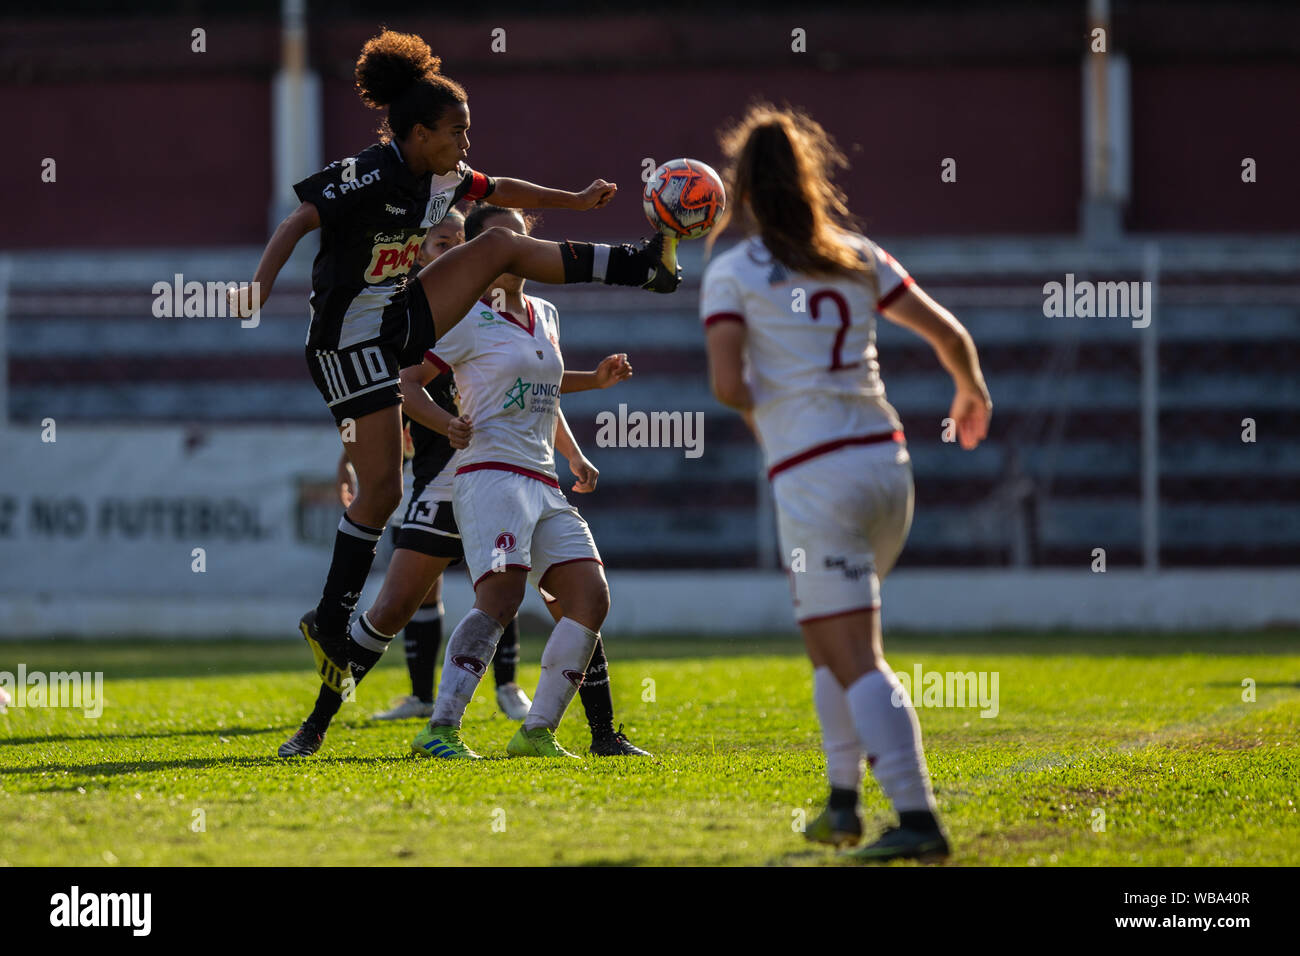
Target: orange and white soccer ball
x: 684, y: 198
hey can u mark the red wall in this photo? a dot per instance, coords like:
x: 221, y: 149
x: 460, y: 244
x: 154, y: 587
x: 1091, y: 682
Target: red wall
x: 158, y: 146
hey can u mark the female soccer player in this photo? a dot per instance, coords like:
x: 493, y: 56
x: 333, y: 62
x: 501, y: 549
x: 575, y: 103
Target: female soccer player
x: 841, y: 476
x: 516, y: 525
x: 428, y: 542
x: 366, y: 323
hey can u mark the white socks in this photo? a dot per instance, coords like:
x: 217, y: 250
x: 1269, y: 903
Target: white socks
x: 469, y: 649
x: 564, y: 660
x: 839, y: 736
x: 891, y: 737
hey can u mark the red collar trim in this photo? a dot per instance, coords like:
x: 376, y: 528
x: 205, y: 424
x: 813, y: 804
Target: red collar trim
x: 530, y: 328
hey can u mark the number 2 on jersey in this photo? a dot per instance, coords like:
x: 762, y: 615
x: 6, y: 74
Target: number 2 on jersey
x: 841, y: 307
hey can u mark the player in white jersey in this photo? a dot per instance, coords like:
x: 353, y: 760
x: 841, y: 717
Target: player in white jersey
x: 516, y: 526
x: 790, y: 325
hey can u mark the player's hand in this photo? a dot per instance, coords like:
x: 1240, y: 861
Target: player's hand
x: 408, y: 443
x: 596, y: 195
x: 460, y: 431
x: 971, y: 411
x: 241, y: 303
x: 347, y: 477
x: 586, y: 473
x: 612, y: 370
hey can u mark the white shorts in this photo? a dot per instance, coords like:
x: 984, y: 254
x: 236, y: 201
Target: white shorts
x: 510, y: 520
x: 843, y: 518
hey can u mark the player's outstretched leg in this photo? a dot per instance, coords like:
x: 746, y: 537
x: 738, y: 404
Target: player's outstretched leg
x: 512, y: 700
x: 453, y: 282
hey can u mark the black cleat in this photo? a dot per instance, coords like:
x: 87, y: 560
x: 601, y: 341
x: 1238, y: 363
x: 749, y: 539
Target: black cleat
x: 614, y: 743
x: 651, y: 264
x: 898, y: 843
x: 330, y: 654
x: 305, y: 742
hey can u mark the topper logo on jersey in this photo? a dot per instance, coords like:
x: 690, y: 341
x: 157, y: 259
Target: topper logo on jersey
x: 389, y: 259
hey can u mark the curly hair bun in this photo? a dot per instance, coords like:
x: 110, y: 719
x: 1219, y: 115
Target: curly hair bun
x: 392, y: 63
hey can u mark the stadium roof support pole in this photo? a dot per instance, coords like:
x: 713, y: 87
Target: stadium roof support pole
x: 295, y: 113
x: 1150, y: 365
x: 1106, y: 136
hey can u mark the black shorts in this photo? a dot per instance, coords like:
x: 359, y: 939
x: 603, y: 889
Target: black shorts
x: 363, y: 378
x: 429, y: 527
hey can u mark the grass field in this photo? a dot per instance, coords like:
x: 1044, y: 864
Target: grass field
x: 1151, y: 731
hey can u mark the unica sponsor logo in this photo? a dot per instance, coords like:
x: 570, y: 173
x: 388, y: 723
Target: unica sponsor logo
x: 541, y: 392
x: 394, y: 258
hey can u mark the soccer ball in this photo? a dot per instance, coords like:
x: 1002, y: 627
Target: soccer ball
x: 684, y: 198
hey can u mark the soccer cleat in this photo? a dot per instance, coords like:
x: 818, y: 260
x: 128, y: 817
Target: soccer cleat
x: 305, y: 742
x: 654, y: 258
x: 614, y: 743
x: 539, y: 742
x: 331, y: 654
x: 838, y: 827
x: 443, y: 742
x: 898, y: 843
x: 514, y: 703
x: 404, y: 708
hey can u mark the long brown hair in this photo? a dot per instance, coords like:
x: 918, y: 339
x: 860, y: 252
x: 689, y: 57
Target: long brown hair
x: 779, y: 164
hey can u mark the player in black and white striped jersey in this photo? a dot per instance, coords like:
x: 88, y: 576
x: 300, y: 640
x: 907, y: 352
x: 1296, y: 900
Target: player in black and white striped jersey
x: 367, y: 322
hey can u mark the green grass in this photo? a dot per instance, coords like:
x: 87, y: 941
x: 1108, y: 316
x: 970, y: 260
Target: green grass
x: 1150, y: 730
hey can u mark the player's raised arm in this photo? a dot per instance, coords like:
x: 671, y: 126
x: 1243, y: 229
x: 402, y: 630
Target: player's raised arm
x: 278, y: 249
x: 611, y: 370
x: 520, y: 194
x: 971, y: 406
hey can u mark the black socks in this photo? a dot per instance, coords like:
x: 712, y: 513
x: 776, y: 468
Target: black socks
x: 506, y: 661
x: 422, y: 637
x: 354, y: 552
x: 596, y: 698
x: 918, y: 820
x: 842, y: 799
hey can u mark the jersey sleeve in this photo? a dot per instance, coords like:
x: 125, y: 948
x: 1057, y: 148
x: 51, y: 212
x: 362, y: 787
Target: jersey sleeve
x: 457, y: 346
x: 720, y: 299
x: 338, y: 189
x: 891, y: 277
x: 473, y: 186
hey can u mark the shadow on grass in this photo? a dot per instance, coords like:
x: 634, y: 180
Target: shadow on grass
x: 151, y: 735
x: 128, y: 767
